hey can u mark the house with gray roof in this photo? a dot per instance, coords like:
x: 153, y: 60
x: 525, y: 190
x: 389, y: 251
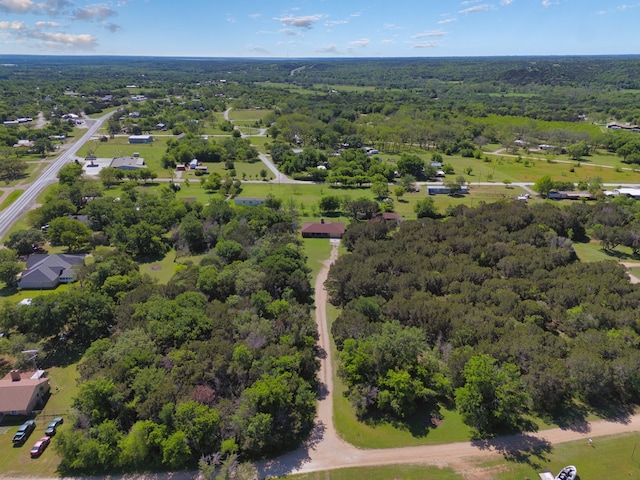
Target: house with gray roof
x: 48, y: 271
x: 128, y: 163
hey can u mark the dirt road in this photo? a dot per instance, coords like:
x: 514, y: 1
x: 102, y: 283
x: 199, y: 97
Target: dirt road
x: 325, y: 450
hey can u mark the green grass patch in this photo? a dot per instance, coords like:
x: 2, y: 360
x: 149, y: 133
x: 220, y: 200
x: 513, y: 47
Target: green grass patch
x: 592, y: 252
x: 317, y: 250
x: 382, y: 472
x: 12, y: 197
x: 536, y: 125
x: 119, y: 146
x: 610, y: 457
x: 248, y: 114
x: 161, y: 269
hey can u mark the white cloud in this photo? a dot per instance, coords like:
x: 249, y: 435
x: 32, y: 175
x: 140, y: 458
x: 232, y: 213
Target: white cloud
x: 332, y: 48
x: 446, y: 20
x: 356, y: 14
x: 476, y: 9
x: 47, y: 25
x: 305, y: 22
x: 290, y: 33
x: 362, y: 43
x: 255, y: 15
x: 15, y: 26
x: 387, y: 41
x: 65, y: 40
x: 548, y: 3
x: 426, y: 45
x: 333, y: 23
x: 16, y: 6
x: 433, y: 33
x: 621, y: 8
x: 506, y: 2
x: 94, y: 12
x: 44, y: 7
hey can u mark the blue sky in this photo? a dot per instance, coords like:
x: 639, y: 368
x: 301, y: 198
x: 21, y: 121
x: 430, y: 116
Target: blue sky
x: 319, y: 28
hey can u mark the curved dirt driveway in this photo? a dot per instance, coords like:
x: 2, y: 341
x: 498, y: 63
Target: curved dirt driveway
x: 325, y: 450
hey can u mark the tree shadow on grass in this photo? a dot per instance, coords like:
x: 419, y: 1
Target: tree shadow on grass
x: 520, y: 448
x: 615, y: 412
x: 573, y: 418
x: 418, y: 425
x: 8, y: 291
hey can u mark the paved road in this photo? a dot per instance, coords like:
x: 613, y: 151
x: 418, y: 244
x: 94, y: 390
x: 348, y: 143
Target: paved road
x: 25, y: 201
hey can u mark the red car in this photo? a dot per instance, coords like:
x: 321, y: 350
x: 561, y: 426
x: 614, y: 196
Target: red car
x: 39, y: 447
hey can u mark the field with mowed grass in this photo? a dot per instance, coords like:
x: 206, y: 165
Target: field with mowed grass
x: 383, y: 472
x: 609, y: 457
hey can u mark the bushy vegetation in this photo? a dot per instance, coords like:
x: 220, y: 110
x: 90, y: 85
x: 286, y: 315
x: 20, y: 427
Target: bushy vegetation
x: 488, y: 311
x: 222, y: 359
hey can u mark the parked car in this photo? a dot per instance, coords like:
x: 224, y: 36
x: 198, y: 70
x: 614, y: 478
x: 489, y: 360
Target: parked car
x: 51, y: 428
x: 23, y: 432
x: 39, y: 447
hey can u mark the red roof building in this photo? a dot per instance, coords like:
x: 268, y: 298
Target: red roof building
x: 323, y: 229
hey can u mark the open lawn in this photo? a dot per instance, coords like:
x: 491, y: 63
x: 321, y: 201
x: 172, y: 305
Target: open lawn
x: 592, y: 252
x: 10, y: 198
x: 530, y: 168
x: 119, y: 146
x: 317, y: 251
x: 384, y: 472
x: 244, y: 115
x: 609, y: 457
x: 244, y: 171
x: 161, y: 269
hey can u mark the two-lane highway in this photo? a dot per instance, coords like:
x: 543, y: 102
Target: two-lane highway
x: 11, y: 214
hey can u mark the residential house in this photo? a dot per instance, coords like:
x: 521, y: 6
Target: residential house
x: 383, y: 217
x: 323, y: 229
x: 23, y: 392
x: 48, y: 271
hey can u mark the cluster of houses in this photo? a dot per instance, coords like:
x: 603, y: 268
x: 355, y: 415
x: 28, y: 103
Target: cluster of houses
x: 18, y: 121
x: 623, y: 126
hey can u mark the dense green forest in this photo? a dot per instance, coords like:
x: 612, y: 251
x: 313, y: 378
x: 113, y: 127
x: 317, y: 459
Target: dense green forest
x: 222, y: 359
x: 488, y: 310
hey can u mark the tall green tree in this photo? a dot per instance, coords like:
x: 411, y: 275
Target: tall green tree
x: 493, y: 396
x: 10, y: 267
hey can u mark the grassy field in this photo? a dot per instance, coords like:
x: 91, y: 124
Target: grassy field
x: 253, y: 115
x: 12, y: 197
x: 610, y: 457
x: 384, y: 472
x: 592, y: 252
x: 119, y: 146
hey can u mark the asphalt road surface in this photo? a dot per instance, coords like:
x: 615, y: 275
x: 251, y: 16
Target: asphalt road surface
x: 26, y: 201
